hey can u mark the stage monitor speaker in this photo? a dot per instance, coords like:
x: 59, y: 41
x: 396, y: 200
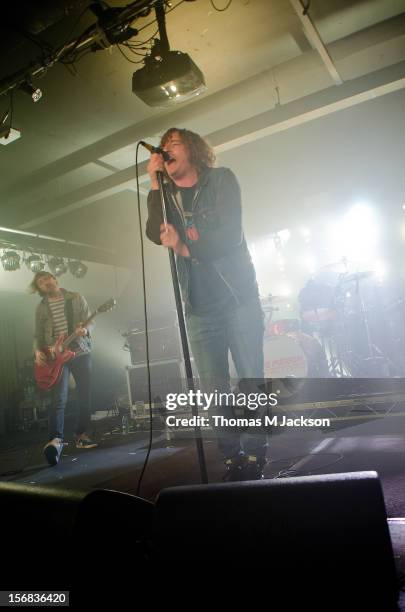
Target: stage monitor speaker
x: 290, y: 534
x: 166, y: 377
x: 46, y: 528
x: 163, y: 345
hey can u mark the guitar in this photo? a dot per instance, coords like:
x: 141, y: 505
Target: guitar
x: 49, y: 374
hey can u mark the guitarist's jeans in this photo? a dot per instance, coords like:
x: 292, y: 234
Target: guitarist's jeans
x: 80, y: 367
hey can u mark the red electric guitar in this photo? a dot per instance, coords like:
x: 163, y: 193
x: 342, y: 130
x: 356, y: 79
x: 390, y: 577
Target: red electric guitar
x: 48, y: 375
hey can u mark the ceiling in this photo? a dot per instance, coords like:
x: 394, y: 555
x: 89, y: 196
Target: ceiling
x: 290, y: 99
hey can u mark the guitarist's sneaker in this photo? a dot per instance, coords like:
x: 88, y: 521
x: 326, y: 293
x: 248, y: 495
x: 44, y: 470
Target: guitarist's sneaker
x: 84, y: 441
x: 53, y: 451
x: 253, y: 470
x: 234, y: 468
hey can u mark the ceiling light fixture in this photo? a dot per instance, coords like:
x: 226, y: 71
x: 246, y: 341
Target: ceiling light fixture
x: 57, y: 266
x: 34, y: 92
x: 35, y: 263
x: 11, y: 261
x: 77, y: 268
x: 168, y: 77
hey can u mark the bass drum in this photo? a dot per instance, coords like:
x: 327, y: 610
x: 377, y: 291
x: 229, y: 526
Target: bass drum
x: 285, y: 363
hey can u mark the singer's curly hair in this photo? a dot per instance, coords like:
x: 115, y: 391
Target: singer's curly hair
x: 201, y: 153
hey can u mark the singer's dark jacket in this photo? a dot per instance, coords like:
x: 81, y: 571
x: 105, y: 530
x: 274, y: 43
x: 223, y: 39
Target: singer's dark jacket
x: 217, y: 215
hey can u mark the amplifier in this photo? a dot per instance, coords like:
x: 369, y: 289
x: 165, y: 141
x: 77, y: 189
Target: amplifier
x: 167, y: 376
x: 164, y: 344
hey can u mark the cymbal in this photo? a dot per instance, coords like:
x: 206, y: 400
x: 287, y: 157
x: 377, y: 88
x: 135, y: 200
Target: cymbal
x: 345, y: 263
x: 275, y: 299
x: 357, y: 276
x: 400, y: 303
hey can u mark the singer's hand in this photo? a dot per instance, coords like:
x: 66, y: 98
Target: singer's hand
x: 156, y: 164
x: 171, y: 239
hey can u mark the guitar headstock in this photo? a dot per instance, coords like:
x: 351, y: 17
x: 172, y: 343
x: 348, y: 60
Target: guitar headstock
x: 107, y: 306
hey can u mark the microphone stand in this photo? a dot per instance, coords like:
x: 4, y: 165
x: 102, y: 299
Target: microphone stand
x: 184, y: 340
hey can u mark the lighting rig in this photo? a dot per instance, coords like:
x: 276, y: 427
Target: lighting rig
x: 167, y: 77
x: 11, y: 260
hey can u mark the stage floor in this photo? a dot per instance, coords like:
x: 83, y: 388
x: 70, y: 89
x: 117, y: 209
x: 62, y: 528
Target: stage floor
x: 370, y: 440
x: 372, y: 443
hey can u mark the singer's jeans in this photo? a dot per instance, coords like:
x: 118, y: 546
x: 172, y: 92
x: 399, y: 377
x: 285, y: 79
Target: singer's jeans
x: 80, y: 367
x: 239, y: 331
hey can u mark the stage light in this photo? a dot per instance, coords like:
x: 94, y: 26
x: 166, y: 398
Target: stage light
x: 270, y: 246
x: 355, y: 235
x: 380, y: 270
x: 309, y: 263
x: 284, y: 236
x: 35, y: 263
x: 168, y: 79
x: 306, y: 234
x: 57, y: 266
x: 11, y: 261
x: 77, y: 268
x: 280, y: 263
x: 34, y: 92
x: 284, y: 290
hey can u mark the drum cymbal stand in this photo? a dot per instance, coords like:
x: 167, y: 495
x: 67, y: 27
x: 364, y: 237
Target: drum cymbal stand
x: 329, y: 346
x: 374, y: 357
x: 340, y: 335
x: 339, y: 365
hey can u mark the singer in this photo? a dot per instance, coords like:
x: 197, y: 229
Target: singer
x: 217, y: 279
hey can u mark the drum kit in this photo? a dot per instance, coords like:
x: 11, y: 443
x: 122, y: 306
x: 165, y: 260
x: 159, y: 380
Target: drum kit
x: 288, y: 351
x: 338, y: 328
x: 283, y: 355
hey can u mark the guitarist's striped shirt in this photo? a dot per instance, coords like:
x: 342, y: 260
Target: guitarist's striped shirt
x: 57, y: 306
x: 60, y: 324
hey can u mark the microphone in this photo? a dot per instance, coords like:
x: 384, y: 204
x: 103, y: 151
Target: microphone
x: 152, y: 149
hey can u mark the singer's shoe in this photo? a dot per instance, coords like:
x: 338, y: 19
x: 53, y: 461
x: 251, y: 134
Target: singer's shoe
x: 53, y: 451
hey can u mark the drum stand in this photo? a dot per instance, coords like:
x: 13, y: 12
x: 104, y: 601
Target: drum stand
x: 184, y: 340
x: 375, y: 362
x: 330, y: 349
x: 339, y: 367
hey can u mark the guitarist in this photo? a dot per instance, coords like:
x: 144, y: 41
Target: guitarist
x: 61, y: 312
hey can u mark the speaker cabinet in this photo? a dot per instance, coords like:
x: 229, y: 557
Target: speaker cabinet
x: 286, y: 536
x: 166, y: 377
x: 45, y: 528
x: 164, y: 345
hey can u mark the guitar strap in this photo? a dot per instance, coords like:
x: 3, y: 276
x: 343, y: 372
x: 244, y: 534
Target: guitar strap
x: 69, y: 315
